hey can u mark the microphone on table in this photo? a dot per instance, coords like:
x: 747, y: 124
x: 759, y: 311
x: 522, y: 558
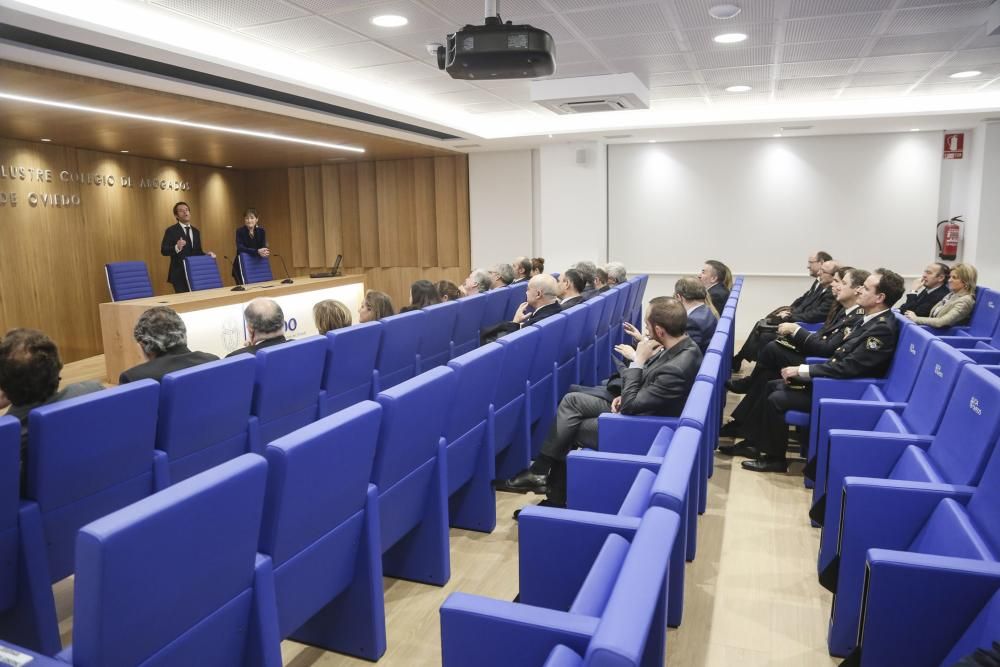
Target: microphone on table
x: 238, y: 288
x: 288, y: 279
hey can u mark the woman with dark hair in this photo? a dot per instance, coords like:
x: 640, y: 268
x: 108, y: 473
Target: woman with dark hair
x: 537, y: 265
x: 448, y: 291
x: 423, y: 293
x: 250, y: 239
x: 375, y: 306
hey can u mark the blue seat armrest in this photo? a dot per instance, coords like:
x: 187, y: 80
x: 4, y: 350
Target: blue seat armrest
x: 562, y: 656
x: 961, y: 342
x: 35, y: 659
x: 255, y: 443
x: 854, y: 388
x: 839, y: 413
x: 65, y: 655
x: 630, y: 434
x: 599, y: 481
x: 496, y: 633
x: 265, y: 646
x: 983, y: 357
x: 816, y: 360
x: 865, y: 454
x: 161, y: 470
x: 673, y: 482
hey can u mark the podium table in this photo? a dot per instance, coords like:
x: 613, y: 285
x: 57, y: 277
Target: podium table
x: 214, y: 318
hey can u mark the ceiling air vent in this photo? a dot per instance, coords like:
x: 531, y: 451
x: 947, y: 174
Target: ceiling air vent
x: 591, y: 94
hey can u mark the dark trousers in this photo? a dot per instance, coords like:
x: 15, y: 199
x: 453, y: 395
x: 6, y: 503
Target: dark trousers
x: 770, y: 361
x: 767, y: 428
x: 575, y: 426
x: 760, y: 335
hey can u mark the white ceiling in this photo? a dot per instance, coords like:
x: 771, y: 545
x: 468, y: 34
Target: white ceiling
x: 805, y: 59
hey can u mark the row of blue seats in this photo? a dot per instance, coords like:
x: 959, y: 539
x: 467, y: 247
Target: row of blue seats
x: 92, y: 455
x: 906, y: 489
x: 130, y: 280
x: 601, y: 580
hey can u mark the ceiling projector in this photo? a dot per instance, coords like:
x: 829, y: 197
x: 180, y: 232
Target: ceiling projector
x: 496, y: 50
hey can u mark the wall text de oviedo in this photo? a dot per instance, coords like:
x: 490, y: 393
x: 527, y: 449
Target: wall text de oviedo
x: 49, y: 198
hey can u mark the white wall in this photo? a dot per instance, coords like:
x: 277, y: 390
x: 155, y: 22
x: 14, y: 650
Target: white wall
x: 981, y: 246
x: 501, y: 206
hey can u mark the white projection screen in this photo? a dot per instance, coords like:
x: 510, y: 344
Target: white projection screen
x: 762, y: 205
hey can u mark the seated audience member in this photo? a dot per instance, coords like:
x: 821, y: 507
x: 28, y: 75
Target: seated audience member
x: 702, y: 317
x: 537, y: 265
x: 657, y: 382
x: 265, y: 324
x: 601, y: 281
x: 588, y: 270
x: 713, y: 275
x: 423, y: 293
x: 162, y: 335
x: 616, y: 273
x: 522, y: 270
x: 865, y: 352
x: 29, y: 377
x: 811, y: 307
x: 375, y: 306
x: 956, y: 306
x: 448, y: 291
x: 478, y: 282
x: 540, y: 302
x: 929, y: 288
x: 571, y: 286
x: 331, y: 314
x: 501, y: 275
x: 794, y: 344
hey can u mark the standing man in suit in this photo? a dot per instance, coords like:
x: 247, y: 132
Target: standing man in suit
x: 930, y: 288
x: 162, y: 335
x: 657, y: 382
x: 179, y: 241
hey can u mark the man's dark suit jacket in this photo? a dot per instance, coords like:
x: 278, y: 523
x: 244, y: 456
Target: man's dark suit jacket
x: 662, y: 385
x: 547, y: 310
x: 501, y: 329
x: 814, y: 306
x: 252, y: 349
x: 173, y: 360
x: 701, y: 326
x: 866, y: 352
x: 572, y: 301
x: 248, y: 245
x: 175, y: 274
x: 719, y: 295
x: 923, y: 301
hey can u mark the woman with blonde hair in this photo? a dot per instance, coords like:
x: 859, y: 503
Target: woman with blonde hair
x: 956, y: 306
x: 331, y: 314
x: 375, y: 306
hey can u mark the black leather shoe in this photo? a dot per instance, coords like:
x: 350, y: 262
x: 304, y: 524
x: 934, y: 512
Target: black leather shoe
x: 731, y: 429
x: 740, y: 386
x: 766, y: 465
x: 525, y: 481
x: 544, y: 503
x: 745, y: 448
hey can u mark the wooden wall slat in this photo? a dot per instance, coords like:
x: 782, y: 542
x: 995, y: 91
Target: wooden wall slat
x: 445, y: 202
x: 405, y: 230
x: 462, y: 231
x: 332, y: 234
x: 368, y: 215
x: 350, y: 220
x: 314, y: 216
x: 424, y: 222
x: 297, y: 216
x: 267, y: 191
x: 387, y: 195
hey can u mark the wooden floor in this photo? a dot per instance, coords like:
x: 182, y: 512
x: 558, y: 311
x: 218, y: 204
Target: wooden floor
x: 751, y: 596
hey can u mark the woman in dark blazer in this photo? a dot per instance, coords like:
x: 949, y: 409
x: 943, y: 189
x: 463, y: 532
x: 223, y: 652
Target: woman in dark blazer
x: 250, y: 238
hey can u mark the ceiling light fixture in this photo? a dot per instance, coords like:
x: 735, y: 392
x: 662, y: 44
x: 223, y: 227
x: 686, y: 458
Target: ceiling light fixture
x: 183, y: 159
x: 723, y: 12
x: 729, y: 38
x: 914, y: 129
x: 46, y: 140
x: 173, y: 121
x: 123, y: 151
x: 965, y: 75
x: 775, y: 135
x: 738, y: 89
x: 652, y: 141
x: 390, y: 21
x: 229, y: 166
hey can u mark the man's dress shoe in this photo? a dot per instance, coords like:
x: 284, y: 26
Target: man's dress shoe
x: 525, y: 481
x: 766, y: 465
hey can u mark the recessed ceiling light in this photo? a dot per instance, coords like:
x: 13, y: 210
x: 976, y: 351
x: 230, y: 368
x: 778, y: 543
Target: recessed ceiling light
x: 723, y: 12
x: 738, y: 89
x: 652, y: 141
x: 966, y: 75
x: 389, y: 21
x: 229, y: 166
x: 550, y: 136
x: 183, y: 159
x: 730, y: 38
x: 914, y: 129
x: 46, y: 140
x: 775, y: 135
x: 123, y: 151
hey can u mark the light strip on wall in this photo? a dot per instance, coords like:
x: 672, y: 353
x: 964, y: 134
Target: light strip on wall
x: 174, y: 121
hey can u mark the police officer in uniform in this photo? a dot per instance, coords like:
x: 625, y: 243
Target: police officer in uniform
x: 866, y: 352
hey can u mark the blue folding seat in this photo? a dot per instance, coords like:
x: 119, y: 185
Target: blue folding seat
x: 467, y: 324
x: 397, y: 349
x: 349, y: 366
x: 602, y: 340
x: 569, y: 369
x: 202, y: 272
x: 410, y: 472
x: 920, y: 414
x: 615, y: 331
x: 435, y: 339
x: 981, y: 350
x: 128, y: 280
x: 254, y: 268
x: 512, y: 428
x: 10, y: 456
x: 468, y: 434
x: 637, y: 305
x: 583, y: 585
x: 516, y: 295
x: 321, y: 531
x: 711, y: 371
x: 496, y: 306
x: 87, y: 457
x: 204, y: 417
x: 542, y: 386
x: 915, y: 539
x: 175, y: 579
x: 984, y: 321
x: 587, y: 347
x: 286, y: 392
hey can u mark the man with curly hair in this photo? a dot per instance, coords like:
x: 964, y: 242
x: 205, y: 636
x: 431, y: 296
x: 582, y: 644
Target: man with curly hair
x: 162, y: 336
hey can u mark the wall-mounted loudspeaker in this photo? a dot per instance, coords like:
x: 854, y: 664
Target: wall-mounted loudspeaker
x: 581, y: 156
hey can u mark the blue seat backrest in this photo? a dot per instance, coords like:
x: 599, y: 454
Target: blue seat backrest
x: 624, y: 298
x: 87, y: 457
x: 397, y: 351
x: 128, y: 280
x: 476, y: 375
x: 350, y: 360
x: 563, y: 656
x: 906, y: 362
x: 980, y: 634
x: 496, y: 306
x: 938, y: 373
x: 169, y: 579
x: 202, y: 272
x: 435, y: 341
x: 595, y: 310
x: 553, y: 330
x: 516, y: 369
x: 204, y: 414
x: 611, y: 299
x: 516, y: 295
x: 576, y: 318
x: 986, y: 314
x: 255, y: 269
x: 468, y: 323
x: 697, y: 405
x: 286, y: 385
x: 710, y: 369
x: 718, y: 341
x: 10, y: 455
x: 600, y: 580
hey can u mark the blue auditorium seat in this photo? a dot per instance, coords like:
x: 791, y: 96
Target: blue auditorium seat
x: 586, y: 356
x: 87, y: 457
x: 410, y: 472
x: 496, y: 306
x: 512, y: 429
x: 562, y: 656
x: 467, y: 324
x: 542, y: 397
x: 583, y: 585
x: 10, y: 456
x: 397, y: 349
x: 516, y: 295
x: 568, y: 370
x: 350, y: 360
x: 615, y: 331
x: 711, y: 371
x: 984, y: 321
x: 204, y: 417
x: 254, y: 268
x: 321, y: 530
x: 468, y: 434
x: 286, y: 393
x: 128, y: 280
x: 435, y: 340
x: 175, y: 579
x: 602, y: 341
x: 202, y: 272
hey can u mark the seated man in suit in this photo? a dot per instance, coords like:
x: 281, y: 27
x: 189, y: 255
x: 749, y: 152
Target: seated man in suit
x: 588, y: 270
x: 866, y: 352
x: 571, y: 285
x: 522, y: 270
x: 701, y: 316
x: 501, y: 275
x: 478, y: 282
x: 929, y: 289
x: 601, y: 281
x: 616, y: 273
x: 540, y: 302
x: 265, y: 325
x: 657, y: 382
x: 162, y: 336
x: 713, y: 276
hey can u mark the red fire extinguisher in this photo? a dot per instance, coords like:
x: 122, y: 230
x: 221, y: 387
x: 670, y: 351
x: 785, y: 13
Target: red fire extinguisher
x: 949, y: 234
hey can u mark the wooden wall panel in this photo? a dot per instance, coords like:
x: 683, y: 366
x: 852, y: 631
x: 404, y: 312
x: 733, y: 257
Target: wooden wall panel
x: 462, y: 231
x: 314, y: 216
x: 389, y: 206
x: 368, y: 214
x: 333, y: 236
x: 445, y: 202
x: 424, y: 220
x: 267, y: 191
x: 297, y: 216
x: 406, y: 230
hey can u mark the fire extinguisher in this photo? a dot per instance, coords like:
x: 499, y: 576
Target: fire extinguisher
x: 948, y: 238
